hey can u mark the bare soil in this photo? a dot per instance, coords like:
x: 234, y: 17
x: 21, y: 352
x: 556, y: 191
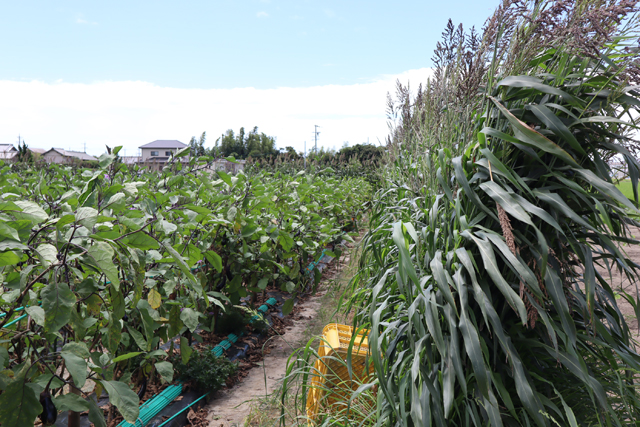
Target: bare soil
x: 619, y: 282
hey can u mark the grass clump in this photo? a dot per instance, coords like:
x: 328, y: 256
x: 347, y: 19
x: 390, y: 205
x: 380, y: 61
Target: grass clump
x: 205, y: 371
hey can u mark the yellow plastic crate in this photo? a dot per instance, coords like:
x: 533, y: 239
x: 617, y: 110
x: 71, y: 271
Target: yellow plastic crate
x: 331, y: 382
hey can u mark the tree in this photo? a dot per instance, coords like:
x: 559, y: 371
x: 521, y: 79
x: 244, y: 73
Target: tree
x: 243, y: 145
x: 24, y: 154
x: 197, y: 147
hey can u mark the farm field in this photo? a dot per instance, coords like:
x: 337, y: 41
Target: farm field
x: 626, y: 188
x: 117, y: 278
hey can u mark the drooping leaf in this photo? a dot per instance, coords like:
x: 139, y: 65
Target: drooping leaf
x: 154, y: 298
x: 138, y: 338
x: 214, y: 259
x: 190, y: 317
x: 95, y: 414
x: 78, y: 348
x: 87, y: 216
x: 57, y: 302
x: 47, y: 254
x: 101, y: 254
x: 530, y: 137
x: 165, y: 369
x: 76, y: 366
x: 37, y: 314
x: 71, y: 402
x: 124, y: 399
x: 185, y: 350
x: 287, y: 307
x: 183, y: 267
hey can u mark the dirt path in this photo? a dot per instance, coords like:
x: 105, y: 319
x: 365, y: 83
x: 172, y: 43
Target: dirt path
x: 231, y: 407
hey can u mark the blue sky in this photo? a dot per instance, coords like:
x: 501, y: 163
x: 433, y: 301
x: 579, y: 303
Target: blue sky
x: 204, y: 47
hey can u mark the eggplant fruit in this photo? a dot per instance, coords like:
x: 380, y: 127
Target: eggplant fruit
x: 49, y: 412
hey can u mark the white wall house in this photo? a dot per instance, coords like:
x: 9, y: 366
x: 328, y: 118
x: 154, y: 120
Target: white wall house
x: 160, y: 150
x: 7, y: 151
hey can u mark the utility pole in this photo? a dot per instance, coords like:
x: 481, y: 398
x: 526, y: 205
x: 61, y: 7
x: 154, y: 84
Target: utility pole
x: 305, y: 154
x: 85, y: 147
x: 315, y: 136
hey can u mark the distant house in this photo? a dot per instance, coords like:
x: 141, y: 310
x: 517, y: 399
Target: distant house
x: 7, y: 152
x: 159, y: 151
x: 59, y: 155
x: 229, y: 167
x: 131, y: 160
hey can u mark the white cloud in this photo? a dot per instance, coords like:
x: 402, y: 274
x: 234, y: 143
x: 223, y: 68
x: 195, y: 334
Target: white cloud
x: 131, y: 114
x: 329, y: 13
x: 80, y: 20
x: 262, y: 14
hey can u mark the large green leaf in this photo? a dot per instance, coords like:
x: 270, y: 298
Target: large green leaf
x: 87, y: 216
x: 7, y: 232
x: 508, y: 202
x: 8, y: 258
x: 57, y: 302
x: 491, y: 267
x: 190, y: 317
x: 76, y: 366
x: 47, y: 254
x: 183, y: 267
x: 124, y: 399
x: 606, y: 188
x: 142, y: 241
x: 30, y: 211
x: 37, y: 314
x: 19, y: 404
x: 78, y: 348
x: 101, y: 254
x: 285, y: 240
x: 113, y: 335
x: 138, y: 338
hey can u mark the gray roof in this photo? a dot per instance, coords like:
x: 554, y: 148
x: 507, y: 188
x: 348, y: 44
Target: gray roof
x: 164, y: 143
x: 7, y: 147
x: 77, y: 154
